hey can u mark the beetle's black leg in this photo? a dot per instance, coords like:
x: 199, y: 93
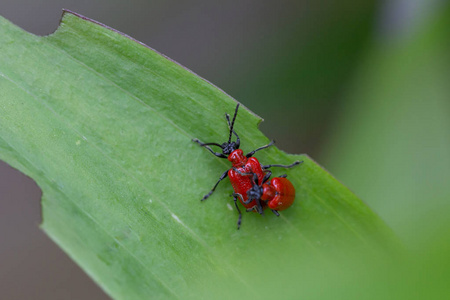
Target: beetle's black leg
x: 257, y: 208
x: 241, y: 173
x: 238, y: 195
x: 248, y: 201
x: 260, y: 208
x: 282, y: 176
x: 251, y: 209
x: 250, y: 154
x: 206, y: 145
x: 255, y: 176
x: 244, y: 201
x: 275, y: 212
x: 225, y: 174
x: 267, y: 176
x: 283, y: 166
x: 251, y: 196
x: 255, y: 179
x: 237, y: 207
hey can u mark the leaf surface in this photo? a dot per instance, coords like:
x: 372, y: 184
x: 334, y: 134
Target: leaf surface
x: 104, y: 125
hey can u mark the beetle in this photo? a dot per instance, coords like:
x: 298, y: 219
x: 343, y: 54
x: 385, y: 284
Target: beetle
x: 276, y: 194
x: 244, y: 167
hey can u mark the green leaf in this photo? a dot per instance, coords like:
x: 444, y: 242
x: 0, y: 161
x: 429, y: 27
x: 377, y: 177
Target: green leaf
x: 104, y: 125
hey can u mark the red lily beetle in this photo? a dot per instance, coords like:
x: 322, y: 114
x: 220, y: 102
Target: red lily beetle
x: 277, y: 194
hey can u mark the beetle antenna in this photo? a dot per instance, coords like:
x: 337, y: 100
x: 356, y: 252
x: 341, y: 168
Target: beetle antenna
x: 232, y: 123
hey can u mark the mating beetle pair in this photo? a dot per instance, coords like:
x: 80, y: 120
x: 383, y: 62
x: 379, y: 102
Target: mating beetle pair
x: 250, y: 179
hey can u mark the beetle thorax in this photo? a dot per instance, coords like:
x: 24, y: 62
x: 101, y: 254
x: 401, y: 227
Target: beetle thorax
x: 268, y: 192
x: 237, y: 158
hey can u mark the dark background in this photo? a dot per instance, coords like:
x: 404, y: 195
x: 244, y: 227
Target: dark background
x: 291, y: 62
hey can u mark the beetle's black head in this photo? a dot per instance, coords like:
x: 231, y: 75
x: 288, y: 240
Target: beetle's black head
x: 229, y: 147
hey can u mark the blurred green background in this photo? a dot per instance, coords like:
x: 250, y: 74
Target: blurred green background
x: 363, y: 87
